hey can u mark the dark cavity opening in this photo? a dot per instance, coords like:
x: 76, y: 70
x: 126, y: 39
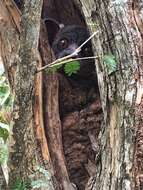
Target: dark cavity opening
x: 79, y: 100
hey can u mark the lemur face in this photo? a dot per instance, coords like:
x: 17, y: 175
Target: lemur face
x: 68, y: 39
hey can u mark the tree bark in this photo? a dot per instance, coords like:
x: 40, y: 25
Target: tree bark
x: 72, y: 138
x: 120, y: 33
x: 19, y: 51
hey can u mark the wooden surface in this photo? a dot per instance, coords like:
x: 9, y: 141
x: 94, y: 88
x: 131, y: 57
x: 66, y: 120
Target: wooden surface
x: 120, y: 33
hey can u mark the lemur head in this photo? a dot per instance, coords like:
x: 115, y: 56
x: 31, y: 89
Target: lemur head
x: 66, y: 39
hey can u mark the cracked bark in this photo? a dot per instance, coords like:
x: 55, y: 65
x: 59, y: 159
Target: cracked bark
x: 119, y: 151
x: 120, y: 25
x: 19, y: 51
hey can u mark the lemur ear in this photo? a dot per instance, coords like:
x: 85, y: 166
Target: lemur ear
x: 52, y: 27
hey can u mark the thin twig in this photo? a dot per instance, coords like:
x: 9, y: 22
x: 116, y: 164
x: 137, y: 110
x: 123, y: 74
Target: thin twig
x: 75, y: 53
x: 90, y: 37
x: 65, y: 61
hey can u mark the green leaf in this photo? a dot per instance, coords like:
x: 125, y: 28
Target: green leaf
x: 4, y: 131
x: 5, y: 170
x: 53, y: 68
x: 3, y: 89
x: 3, y: 153
x: 110, y: 62
x: 21, y: 185
x: 5, y: 98
x: 72, y: 67
x: 56, y: 67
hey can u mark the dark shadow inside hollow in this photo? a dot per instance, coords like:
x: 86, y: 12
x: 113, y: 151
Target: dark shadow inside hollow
x: 79, y: 99
x: 19, y: 3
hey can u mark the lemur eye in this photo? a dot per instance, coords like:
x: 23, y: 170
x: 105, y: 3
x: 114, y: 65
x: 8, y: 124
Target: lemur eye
x: 63, y: 43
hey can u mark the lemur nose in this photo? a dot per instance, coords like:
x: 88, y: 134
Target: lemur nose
x: 69, y: 51
x: 64, y: 53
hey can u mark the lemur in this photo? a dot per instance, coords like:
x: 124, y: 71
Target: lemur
x: 64, y: 40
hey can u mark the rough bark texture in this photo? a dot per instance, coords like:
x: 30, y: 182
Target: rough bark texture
x: 72, y: 117
x: 120, y: 26
x: 24, y: 150
x: 19, y: 51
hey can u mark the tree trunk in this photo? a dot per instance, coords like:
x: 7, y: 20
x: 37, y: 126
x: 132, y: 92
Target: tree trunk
x: 120, y: 33
x: 55, y: 126
x: 19, y: 50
